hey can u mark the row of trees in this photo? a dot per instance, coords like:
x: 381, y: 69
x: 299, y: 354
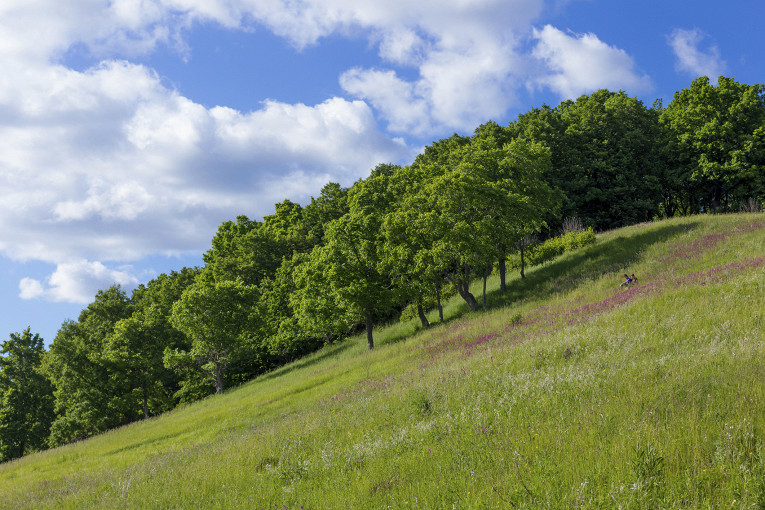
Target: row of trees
x: 273, y: 290
x: 620, y: 163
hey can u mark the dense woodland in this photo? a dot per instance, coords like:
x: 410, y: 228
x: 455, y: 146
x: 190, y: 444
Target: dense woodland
x: 396, y: 242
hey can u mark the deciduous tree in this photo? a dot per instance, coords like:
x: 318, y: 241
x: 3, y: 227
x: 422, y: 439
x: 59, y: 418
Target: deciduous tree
x: 217, y: 317
x: 26, y: 396
x: 717, y: 142
x: 92, y: 394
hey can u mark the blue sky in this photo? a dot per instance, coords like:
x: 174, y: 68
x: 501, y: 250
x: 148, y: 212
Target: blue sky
x: 130, y: 129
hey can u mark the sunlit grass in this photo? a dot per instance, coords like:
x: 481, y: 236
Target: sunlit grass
x: 568, y: 392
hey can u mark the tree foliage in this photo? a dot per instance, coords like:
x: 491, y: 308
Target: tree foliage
x: 26, y: 396
x: 217, y: 317
x: 350, y: 261
x: 716, y: 137
x: 92, y: 393
x: 138, y: 342
x: 606, y: 156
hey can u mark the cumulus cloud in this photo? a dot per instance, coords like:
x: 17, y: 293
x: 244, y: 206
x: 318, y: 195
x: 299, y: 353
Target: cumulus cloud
x: 108, y: 165
x: 29, y: 288
x: 398, y: 100
x: 689, y: 58
x: 466, y: 57
x: 75, y: 281
x: 582, y: 63
x: 111, y: 153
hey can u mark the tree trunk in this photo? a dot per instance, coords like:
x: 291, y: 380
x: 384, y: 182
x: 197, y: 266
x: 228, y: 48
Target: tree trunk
x: 502, y: 286
x: 464, y: 292
x: 423, y: 320
x: 438, y: 300
x: 693, y: 204
x: 717, y: 197
x: 669, y: 205
x: 370, y: 341
x: 523, y: 262
x: 145, y: 402
x: 219, y: 369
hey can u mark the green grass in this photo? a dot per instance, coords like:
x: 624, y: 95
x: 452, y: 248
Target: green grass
x: 568, y: 392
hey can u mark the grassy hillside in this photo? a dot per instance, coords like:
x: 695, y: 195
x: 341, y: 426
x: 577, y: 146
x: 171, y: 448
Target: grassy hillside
x: 569, y: 392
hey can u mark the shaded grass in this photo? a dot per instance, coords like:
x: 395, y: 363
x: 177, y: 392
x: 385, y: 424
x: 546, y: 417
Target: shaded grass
x: 568, y: 392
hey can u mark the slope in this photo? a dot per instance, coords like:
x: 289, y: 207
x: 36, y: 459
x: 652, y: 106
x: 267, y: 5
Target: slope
x: 569, y: 392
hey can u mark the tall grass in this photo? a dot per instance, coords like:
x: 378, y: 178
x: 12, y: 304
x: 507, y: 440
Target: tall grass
x: 567, y: 392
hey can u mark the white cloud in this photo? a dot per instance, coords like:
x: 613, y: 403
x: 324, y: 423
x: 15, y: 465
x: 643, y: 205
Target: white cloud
x: 398, y: 100
x: 76, y: 282
x: 457, y: 88
x: 692, y: 60
x: 30, y: 288
x: 107, y: 165
x: 111, y: 154
x: 467, y: 59
x: 464, y: 52
x: 403, y: 46
x: 583, y: 63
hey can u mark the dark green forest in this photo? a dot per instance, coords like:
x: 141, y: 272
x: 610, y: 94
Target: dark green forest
x: 398, y: 241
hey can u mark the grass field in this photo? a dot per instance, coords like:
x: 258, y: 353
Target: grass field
x: 567, y: 392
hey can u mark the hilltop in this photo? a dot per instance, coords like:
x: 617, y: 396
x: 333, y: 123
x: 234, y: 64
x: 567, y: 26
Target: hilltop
x: 567, y: 392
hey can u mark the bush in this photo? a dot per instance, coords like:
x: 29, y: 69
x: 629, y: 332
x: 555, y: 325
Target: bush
x: 573, y: 240
x: 556, y: 246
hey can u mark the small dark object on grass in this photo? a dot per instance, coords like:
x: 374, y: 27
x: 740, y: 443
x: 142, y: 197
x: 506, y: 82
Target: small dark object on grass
x: 516, y: 319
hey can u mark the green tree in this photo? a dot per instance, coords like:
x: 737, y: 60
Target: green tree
x: 92, y: 393
x: 412, y: 226
x: 138, y: 342
x: 441, y: 153
x: 606, y: 155
x: 346, y: 272
x: 407, y: 255
x: 318, y: 310
x: 219, y: 318
x: 136, y: 347
x: 288, y: 228
x: 461, y: 227
x: 283, y: 337
x: 246, y: 250
x: 518, y: 168
x: 717, y: 143
x: 467, y: 213
x: 331, y: 204
x: 26, y: 396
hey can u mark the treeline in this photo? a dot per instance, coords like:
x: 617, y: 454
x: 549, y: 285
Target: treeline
x: 273, y: 290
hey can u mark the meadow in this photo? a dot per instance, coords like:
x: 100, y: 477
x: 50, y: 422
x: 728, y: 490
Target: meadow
x: 566, y: 392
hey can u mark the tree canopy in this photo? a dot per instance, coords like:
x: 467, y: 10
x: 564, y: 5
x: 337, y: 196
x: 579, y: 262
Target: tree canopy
x: 716, y: 137
x: 26, y: 396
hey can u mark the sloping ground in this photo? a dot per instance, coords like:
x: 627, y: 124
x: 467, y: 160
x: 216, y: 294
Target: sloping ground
x: 570, y: 392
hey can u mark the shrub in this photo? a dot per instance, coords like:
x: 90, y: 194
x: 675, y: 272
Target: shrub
x: 556, y: 246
